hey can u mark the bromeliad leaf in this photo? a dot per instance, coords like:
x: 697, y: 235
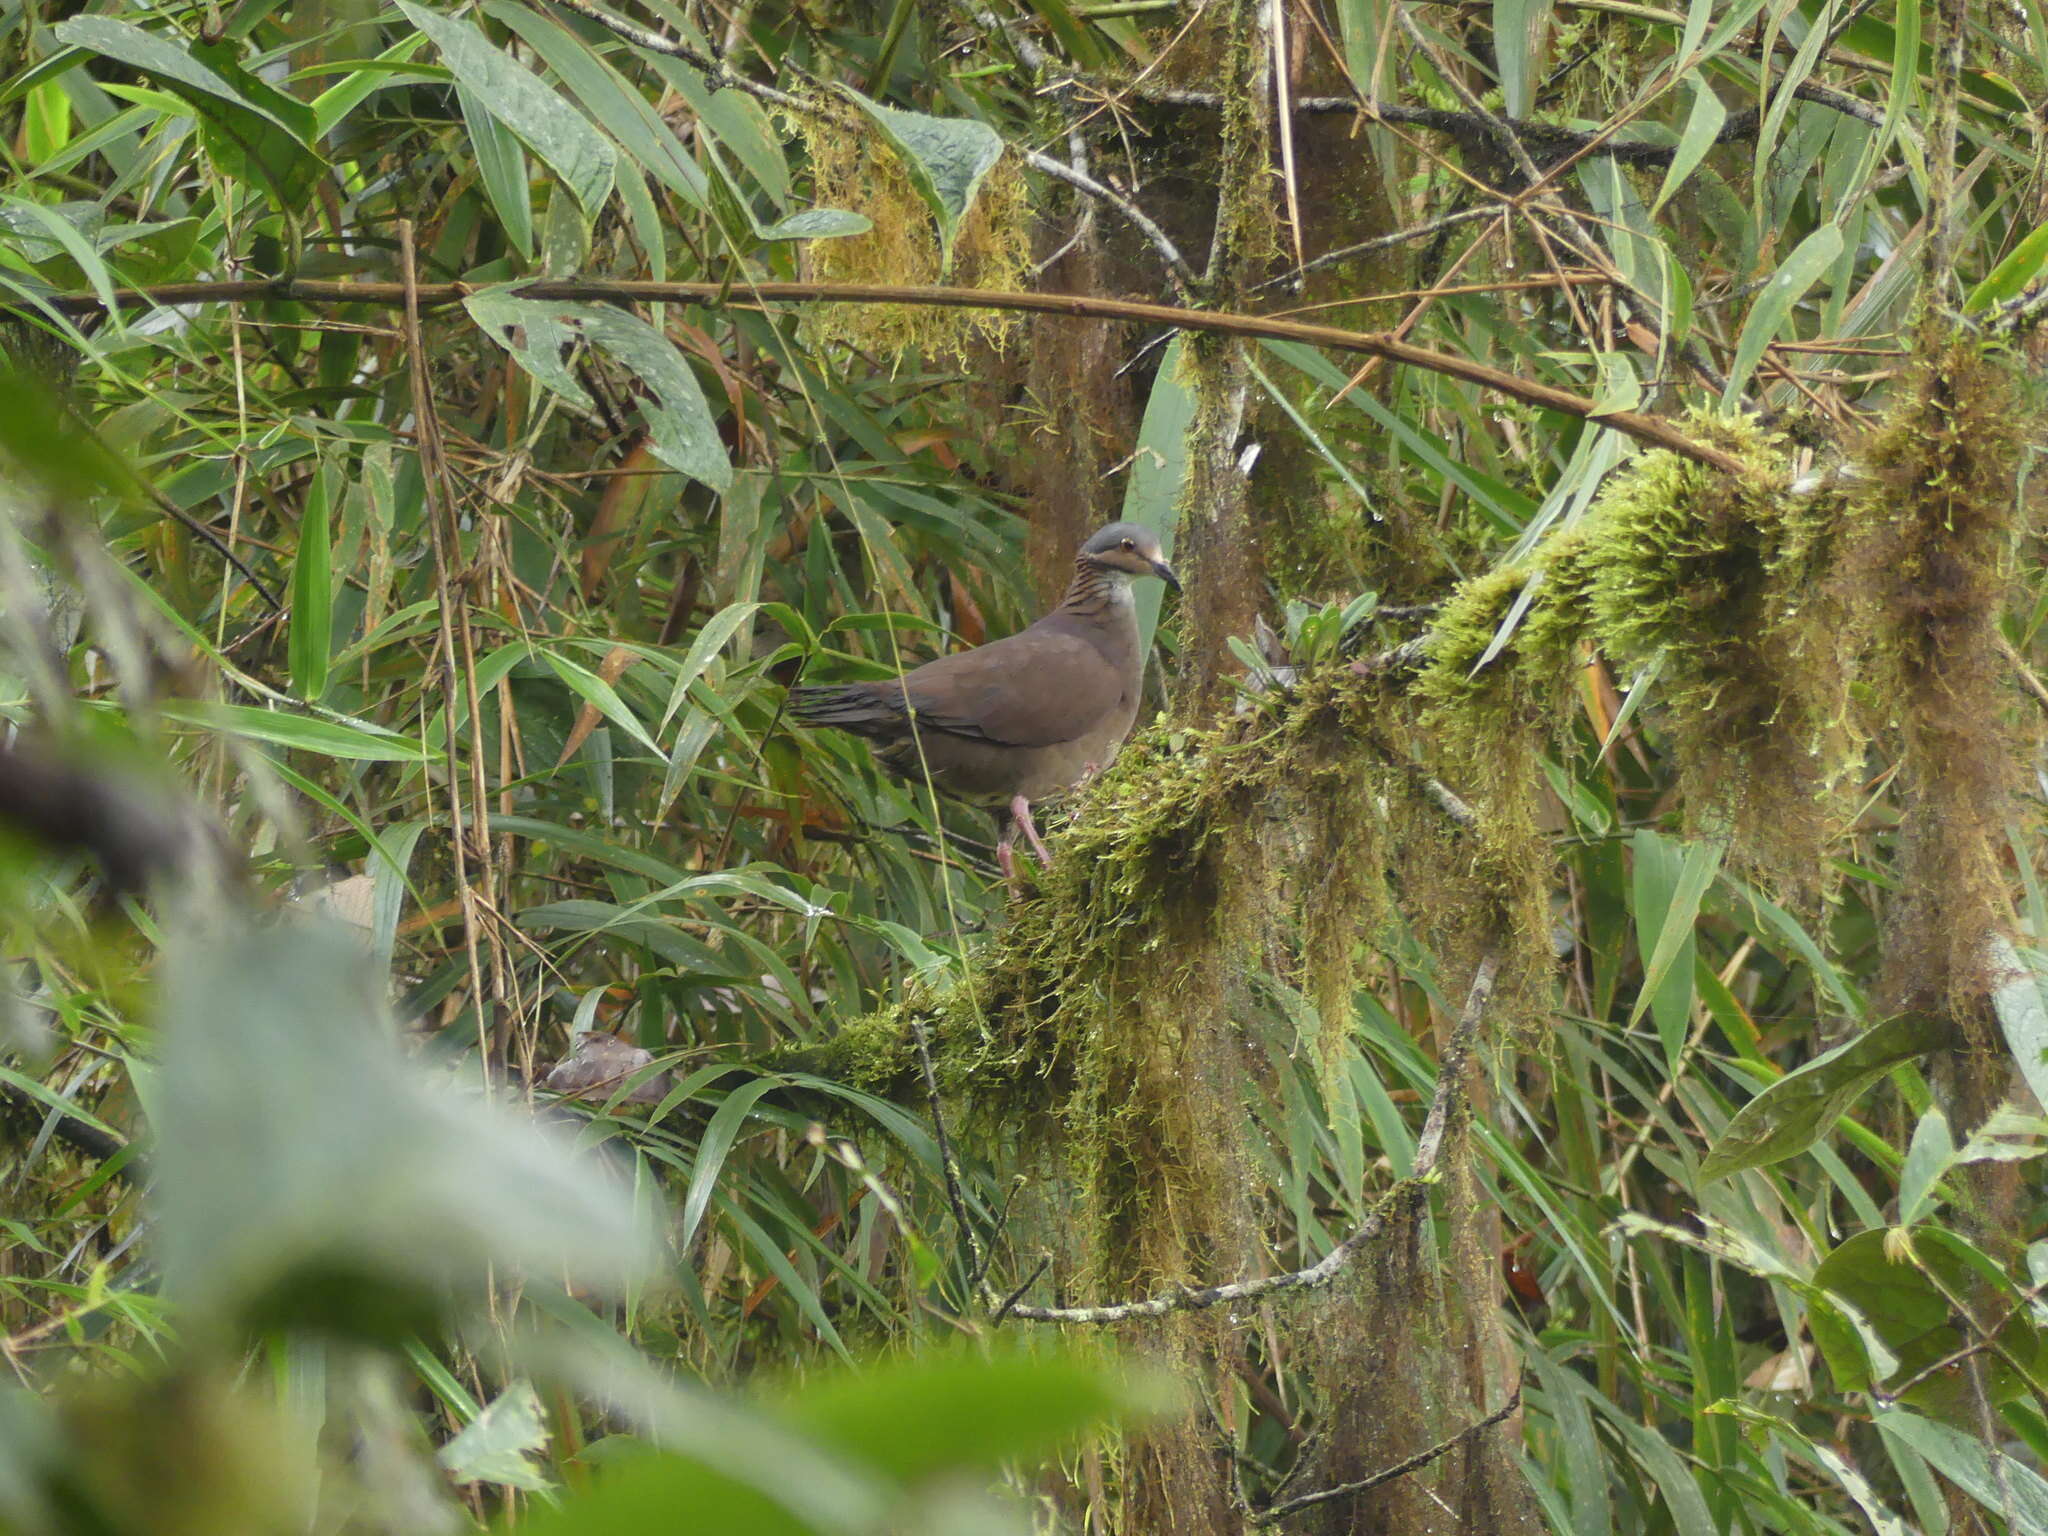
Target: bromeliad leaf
x: 1793, y: 1113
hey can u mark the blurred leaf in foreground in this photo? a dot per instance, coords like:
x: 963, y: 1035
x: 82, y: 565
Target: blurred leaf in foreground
x: 311, y: 1176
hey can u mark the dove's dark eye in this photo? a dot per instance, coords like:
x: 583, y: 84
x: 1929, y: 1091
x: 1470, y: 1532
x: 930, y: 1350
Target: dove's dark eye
x: 1130, y: 544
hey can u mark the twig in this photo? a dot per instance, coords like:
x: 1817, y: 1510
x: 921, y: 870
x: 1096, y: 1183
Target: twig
x: 1652, y: 430
x: 1449, y: 1078
x: 1011, y: 1300
x: 947, y: 1166
x: 1548, y: 137
x: 1399, y: 1469
x: 1183, y: 275
x: 1380, y: 243
x: 716, y: 70
x: 441, y: 526
x: 2026, y: 673
x: 69, y: 1126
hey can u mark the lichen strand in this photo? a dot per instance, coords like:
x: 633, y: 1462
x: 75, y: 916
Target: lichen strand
x: 1940, y: 525
x: 853, y: 168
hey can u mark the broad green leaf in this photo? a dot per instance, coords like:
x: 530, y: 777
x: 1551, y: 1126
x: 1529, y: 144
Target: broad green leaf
x: 1982, y: 1471
x: 538, y: 332
x: 368, y: 1194
x: 818, y: 224
x: 501, y: 166
x: 1800, y: 1107
x: 2020, y: 998
x: 496, y: 1446
x: 617, y: 107
x: 735, y: 121
x: 549, y: 126
x: 1931, y: 1154
x: 1773, y: 307
x: 946, y: 158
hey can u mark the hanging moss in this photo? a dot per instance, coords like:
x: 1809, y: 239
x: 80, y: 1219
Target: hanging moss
x: 1727, y: 585
x: 1090, y: 1018
x: 1942, y: 515
x: 1737, y: 590
x: 853, y: 168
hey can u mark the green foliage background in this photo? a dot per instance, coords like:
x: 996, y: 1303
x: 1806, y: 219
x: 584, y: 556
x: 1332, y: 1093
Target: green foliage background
x: 1735, y: 776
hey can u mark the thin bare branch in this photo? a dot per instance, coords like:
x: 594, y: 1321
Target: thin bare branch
x: 1398, y: 1470
x: 1652, y: 430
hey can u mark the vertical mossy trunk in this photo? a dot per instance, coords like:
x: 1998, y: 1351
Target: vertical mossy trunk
x: 1939, y: 559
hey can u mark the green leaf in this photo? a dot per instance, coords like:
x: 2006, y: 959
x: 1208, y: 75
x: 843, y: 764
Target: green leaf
x: 719, y: 1137
x: 1931, y: 1154
x: 304, y: 733
x: 718, y: 629
x: 1982, y: 1471
x: 255, y: 132
x: 2018, y: 999
x: 1669, y: 886
x: 817, y: 224
x: 1799, y: 1108
x: 547, y: 124
x: 1773, y: 307
x: 501, y: 166
x: 1152, y: 496
x: 595, y: 691
x: 494, y: 1447
x: 1702, y: 129
x: 310, y: 1175
x: 2010, y: 277
x: 537, y: 332
x: 1516, y: 25
x: 915, y: 1420
x: 946, y: 158
x: 619, y: 109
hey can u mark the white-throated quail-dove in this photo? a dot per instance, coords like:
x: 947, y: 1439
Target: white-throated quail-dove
x: 1021, y: 719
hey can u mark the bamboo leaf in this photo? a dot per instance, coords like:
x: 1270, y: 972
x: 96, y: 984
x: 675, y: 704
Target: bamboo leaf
x: 1799, y: 1108
x: 514, y: 96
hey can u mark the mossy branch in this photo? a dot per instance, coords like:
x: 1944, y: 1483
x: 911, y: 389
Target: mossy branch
x: 1449, y: 1079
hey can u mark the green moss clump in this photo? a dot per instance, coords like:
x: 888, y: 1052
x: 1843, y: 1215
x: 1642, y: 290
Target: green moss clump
x: 1736, y: 591
x: 1727, y: 585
